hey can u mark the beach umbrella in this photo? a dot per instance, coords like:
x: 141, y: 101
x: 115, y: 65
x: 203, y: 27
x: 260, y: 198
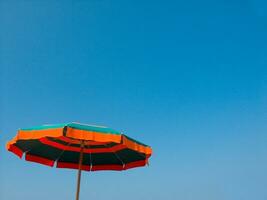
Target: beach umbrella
x: 79, y: 146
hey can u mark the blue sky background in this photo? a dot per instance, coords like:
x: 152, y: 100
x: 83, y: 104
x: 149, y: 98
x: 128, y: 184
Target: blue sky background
x: 188, y: 78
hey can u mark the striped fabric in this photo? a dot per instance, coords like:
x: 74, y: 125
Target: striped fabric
x: 60, y: 145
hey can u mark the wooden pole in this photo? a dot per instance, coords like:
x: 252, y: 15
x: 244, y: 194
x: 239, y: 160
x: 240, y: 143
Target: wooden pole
x: 79, y: 171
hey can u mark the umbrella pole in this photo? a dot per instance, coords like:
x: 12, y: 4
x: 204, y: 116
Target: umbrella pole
x: 79, y: 171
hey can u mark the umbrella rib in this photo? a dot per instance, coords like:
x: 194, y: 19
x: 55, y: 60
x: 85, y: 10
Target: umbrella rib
x: 123, y: 164
x: 28, y: 151
x: 62, y: 151
x: 147, y: 163
x: 90, y: 154
x: 91, y: 163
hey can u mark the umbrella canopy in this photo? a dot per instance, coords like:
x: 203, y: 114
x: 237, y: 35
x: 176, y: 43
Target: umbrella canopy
x: 79, y: 146
x: 103, y: 148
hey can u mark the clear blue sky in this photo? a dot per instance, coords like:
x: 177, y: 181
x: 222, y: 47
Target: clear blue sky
x: 188, y: 78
